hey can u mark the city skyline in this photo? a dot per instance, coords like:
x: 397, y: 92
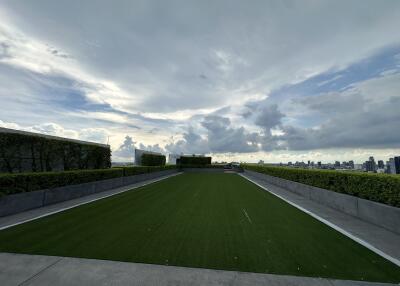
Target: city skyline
x: 277, y: 81
x: 390, y: 166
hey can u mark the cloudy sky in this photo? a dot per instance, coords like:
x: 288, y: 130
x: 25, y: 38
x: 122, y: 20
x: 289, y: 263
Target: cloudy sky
x: 242, y: 80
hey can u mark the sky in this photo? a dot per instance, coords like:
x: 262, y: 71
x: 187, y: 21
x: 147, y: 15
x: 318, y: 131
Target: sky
x: 254, y: 80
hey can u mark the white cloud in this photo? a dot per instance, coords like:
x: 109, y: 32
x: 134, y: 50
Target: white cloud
x: 154, y: 70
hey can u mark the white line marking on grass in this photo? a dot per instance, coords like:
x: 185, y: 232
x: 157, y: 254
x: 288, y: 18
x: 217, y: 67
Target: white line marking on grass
x: 334, y: 226
x: 90, y: 201
x: 247, y: 216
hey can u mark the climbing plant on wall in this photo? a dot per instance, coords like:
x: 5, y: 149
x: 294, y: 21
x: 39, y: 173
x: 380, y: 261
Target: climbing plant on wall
x: 31, y: 153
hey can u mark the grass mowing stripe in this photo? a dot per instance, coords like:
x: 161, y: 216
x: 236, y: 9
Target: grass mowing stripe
x: 199, y: 220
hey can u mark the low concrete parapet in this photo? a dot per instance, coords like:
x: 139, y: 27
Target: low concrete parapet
x: 376, y: 213
x: 21, y: 202
x: 16, y: 203
x: 379, y: 214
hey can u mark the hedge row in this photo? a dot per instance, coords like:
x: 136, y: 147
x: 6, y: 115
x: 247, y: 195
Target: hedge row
x: 192, y: 160
x: 27, y: 182
x: 130, y: 171
x: 381, y: 188
x: 152, y: 160
x: 211, y: 166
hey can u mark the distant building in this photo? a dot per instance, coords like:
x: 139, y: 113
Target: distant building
x: 371, y: 159
x: 358, y: 166
x: 351, y: 164
x: 381, y: 165
x: 319, y: 164
x: 391, y: 166
x: 370, y: 165
x: 172, y: 158
x: 388, y: 167
x: 139, y: 153
x: 397, y: 165
x: 337, y: 164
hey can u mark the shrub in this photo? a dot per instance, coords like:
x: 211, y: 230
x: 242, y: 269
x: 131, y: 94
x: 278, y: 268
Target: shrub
x: 27, y: 182
x: 152, y: 160
x: 381, y: 188
x: 192, y: 160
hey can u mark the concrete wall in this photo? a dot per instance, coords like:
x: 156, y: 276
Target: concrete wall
x: 379, y: 214
x: 25, y: 201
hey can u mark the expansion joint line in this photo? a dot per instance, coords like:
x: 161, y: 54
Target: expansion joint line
x: 40, y: 272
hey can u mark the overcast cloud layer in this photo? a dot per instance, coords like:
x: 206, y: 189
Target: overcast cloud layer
x: 272, y: 80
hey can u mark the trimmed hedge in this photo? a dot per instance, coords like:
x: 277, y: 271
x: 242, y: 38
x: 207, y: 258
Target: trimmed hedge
x: 192, y: 160
x: 130, y: 171
x: 211, y: 166
x: 381, y: 188
x: 28, y: 182
x: 153, y: 160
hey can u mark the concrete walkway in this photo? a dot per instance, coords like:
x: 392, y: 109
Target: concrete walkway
x: 380, y: 238
x: 26, y: 216
x: 22, y: 269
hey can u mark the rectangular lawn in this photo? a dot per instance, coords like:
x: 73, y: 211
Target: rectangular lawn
x: 218, y: 221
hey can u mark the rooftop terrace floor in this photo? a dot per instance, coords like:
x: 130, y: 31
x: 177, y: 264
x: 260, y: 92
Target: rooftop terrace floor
x: 201, y: 220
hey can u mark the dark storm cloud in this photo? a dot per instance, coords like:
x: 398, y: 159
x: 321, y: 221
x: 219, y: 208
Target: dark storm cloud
x: 269, y: 117
x: 222, y: 137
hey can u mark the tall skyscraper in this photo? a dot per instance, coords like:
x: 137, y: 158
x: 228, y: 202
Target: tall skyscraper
x: 391, y: 166
x: 381, y: 165
x: 370, y: 165
x: 397, y: 164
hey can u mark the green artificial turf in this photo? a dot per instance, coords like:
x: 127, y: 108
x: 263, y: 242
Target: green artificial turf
x: 218, y: 221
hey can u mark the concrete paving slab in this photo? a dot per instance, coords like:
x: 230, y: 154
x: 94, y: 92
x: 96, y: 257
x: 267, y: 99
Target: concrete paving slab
x: 354, y: 283
x: 35, y: 270
x: 16, y: 269
x: 250, y: 279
